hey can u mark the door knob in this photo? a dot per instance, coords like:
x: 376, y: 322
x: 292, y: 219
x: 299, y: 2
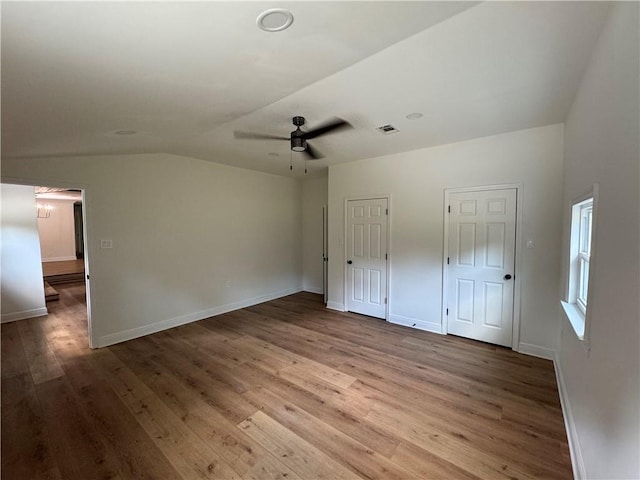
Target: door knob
x: 507, y: 277
x: 349, y: 262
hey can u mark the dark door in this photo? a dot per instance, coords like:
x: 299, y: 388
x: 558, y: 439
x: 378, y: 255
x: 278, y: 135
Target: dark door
x: 77, y: 222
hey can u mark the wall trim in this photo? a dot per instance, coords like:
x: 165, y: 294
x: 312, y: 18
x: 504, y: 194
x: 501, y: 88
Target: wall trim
x: 317, y: 290
x: 577, y: 460
x: 137, y: 332
x: 34, y: 312
x: 59, y: 259
x: 415, y: 323
x: 336, y: 306
x: 536, y: 351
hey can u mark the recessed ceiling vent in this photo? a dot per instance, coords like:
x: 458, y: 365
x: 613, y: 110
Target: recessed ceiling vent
x: 387, y: 129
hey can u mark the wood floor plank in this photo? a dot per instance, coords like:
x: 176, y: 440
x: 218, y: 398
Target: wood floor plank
x: 26, y: 448
x: 43, y: 364
x: 107, y: 414
x: 522, y: 451
x: 352, y: 454
x: 450, y: 448
x: 285, y: 389
x: 327, y: 374
x: 188, y: 454
x: 201, y: 377
x: 78, y: 452
x: 211, y: 343
x: 13, y: 360
x: 428, y: 465
x: 243, y: 454
x: 299, y: 455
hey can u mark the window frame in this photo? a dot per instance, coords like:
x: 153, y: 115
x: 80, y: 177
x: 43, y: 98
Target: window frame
x: 578, y: 306
x: 584, y: 210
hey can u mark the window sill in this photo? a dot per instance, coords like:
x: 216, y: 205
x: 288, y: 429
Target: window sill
x: 575, y: 317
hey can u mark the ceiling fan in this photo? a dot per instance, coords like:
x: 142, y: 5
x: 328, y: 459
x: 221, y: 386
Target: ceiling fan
x: 298, y: 138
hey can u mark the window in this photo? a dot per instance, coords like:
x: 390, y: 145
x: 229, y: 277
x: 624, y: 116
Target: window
x: 576, y: 305
x: 585, y: 212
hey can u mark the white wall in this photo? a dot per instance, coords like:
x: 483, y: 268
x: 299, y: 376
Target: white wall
x: 416, y: 181
x: 57, y: 233
x: 190, y: 238
x: 601, y: 388
x: 22, y: 287
x: 314, y: 197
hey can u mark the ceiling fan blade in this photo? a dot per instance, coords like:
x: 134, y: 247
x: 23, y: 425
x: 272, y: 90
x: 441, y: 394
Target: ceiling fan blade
x: 329, y: 126
x: 313, y: 153
x: 258, y: 136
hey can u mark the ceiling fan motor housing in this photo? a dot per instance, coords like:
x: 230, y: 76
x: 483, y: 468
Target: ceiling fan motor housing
x: 298, y: 143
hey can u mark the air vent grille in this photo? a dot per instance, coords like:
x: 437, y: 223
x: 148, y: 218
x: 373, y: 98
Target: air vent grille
x: 387, y: 129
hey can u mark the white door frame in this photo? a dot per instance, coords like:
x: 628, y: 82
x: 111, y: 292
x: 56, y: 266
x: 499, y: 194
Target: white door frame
x: 85, y: 222
x: 345, y: 252
x: 515, y: 341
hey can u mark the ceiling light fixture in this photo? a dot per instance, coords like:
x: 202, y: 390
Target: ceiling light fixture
x: 274, y: 20
x: 414, y: 116
x: 44, y: 210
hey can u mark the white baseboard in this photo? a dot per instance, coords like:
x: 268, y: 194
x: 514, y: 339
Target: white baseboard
x: 137, y: 332
x: 536, y: 351
x: 59, y: 259
x: 317, y: 290
x: 415, y: 323
x: 35, y: 312
x: 577, y: 460
x: 336, y: 306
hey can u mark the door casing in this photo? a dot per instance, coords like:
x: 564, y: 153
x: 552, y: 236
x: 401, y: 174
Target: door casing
x: 345, y: 252
x: 86, y: 219
x: 515, y: 341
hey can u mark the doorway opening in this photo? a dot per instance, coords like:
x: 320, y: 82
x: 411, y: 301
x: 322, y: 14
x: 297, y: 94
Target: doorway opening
x: 61, y: 247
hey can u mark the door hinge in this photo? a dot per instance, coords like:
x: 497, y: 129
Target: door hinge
x: 386, y: 256
x: 449, y: 209
x: 447, y: 260
x: 385, y: 301
x: 447, y: 312
x: 87, y: 277
x: 387, y: 211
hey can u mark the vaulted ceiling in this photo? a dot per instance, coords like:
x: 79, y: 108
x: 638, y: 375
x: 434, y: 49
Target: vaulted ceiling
x: 184, y: 76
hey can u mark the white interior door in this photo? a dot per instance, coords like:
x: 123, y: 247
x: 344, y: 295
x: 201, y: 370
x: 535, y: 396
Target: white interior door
x: 367, y: 256
x: 481, y: 265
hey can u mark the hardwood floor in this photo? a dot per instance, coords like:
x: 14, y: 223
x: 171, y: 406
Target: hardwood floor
x: 285, y: 389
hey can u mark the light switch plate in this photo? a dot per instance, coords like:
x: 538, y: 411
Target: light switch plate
x: 530, y: 244
x: 106, y: 244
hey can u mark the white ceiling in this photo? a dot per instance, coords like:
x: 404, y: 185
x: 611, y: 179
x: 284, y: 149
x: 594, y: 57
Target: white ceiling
x: 186, y: 75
